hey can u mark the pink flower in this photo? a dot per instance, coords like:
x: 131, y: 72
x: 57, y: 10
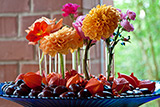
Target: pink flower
x: 119, y: 10
x: 126, y: 25
x: 70, y: 8
x: 131, y: 14
x: 78, y: 26
x: 123, y: 16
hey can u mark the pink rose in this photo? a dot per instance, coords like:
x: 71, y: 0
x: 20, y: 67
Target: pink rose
x: 70, y: 8
x: 131, y: 14
x: 126, y: 25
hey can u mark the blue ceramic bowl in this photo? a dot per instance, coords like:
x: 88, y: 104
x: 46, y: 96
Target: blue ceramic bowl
x: 123, y: 101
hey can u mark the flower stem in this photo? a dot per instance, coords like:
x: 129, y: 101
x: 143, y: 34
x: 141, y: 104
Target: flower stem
x: 110, y: 48
x: 109, y: 64
x: 62, y: 65
x: 45, y: 61
x: 40, y: 67
x: 74, y: 60
x: 85, y: 60
x: 50, y: 64
x: 40, y: 58
x: 78, y: 57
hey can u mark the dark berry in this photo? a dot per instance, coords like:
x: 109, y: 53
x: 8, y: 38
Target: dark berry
x: 3, y: 88
x: 48, y: 88
x: 46, y: 93
x: 39, y: 88
x: 11, y: 83
x: 10, y: 89
x: 75, y: 88
x: 111, y: 82
x: 137, y: 92
x: 35, y: 91
x: 107, y: 88
x: 19, y: 82
x: 123, y: 94
x: 23, y: 85
x: 68, y: 94
x: 84, y: 93
x: 129, y: 92
x: 52, y: 86
x: 103, y: 94
x: 59, y: 90
x: 131, y: 87
x: 145, y: 91
x: 21, y: 92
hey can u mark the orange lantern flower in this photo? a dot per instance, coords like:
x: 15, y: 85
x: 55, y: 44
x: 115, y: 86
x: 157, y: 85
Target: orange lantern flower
x: 55, y: 78
x: 44, y: 79
x: 120, y: 85
x: 72, y: 80
x: 70, y: 73
x: 32, y: 79
x: 94, y: 86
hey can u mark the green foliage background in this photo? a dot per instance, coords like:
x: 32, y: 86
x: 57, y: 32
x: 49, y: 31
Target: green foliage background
x: 142, y: 55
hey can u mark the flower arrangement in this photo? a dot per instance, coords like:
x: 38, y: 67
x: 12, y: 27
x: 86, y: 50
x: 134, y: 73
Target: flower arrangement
x: 52, y: 37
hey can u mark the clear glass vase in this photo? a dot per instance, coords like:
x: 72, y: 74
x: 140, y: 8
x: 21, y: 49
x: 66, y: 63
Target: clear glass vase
x: 109, y: 62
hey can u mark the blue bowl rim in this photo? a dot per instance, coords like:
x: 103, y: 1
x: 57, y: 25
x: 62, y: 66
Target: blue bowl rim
x: 83, y: 98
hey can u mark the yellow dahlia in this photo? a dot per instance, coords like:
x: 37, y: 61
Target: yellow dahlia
x: 61, y: 41
x: 100, y: 22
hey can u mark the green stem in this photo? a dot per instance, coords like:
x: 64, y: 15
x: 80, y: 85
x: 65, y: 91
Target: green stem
x: 40, y: 67
x: 78, y: 56
x: 110, y: 48
x: 74, y: 60
x: 62, y: 65
x: 79, y: 62
x: 72, y: 17
x: 109, y: 64
x: 85, y: 60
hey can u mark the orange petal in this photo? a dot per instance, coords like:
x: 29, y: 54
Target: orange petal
x: 44, y: 81
x: 54, y: 80
x: 43, y: 26
x: 32, y: 79
x: 70, y: 73
x: 43, y: 73
x: 94, y: 86
x: 120, y: 85
x: 20, y: 76
x: 147, y: 84
x: 32, y: 37
x: 72, y: 80
x: 49, y: 76
x: 57, y: 26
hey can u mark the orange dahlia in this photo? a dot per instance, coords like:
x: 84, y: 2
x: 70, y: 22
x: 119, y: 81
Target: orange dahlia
x: 100, y: 22
x: 61, y: 41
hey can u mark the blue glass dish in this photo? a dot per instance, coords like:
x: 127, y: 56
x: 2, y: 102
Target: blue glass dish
x: 122, y: 101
